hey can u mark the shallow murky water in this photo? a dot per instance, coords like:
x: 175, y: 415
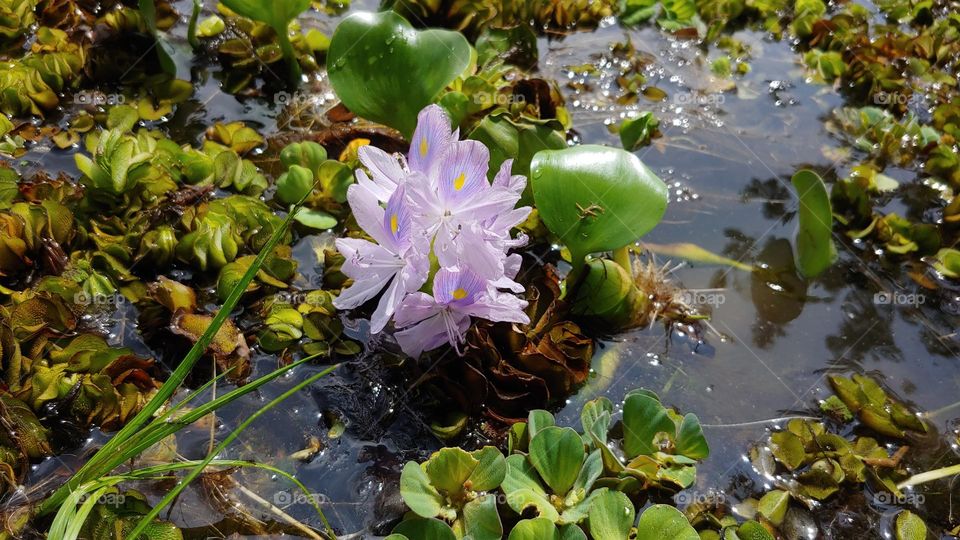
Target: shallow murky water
x: 728, y: 158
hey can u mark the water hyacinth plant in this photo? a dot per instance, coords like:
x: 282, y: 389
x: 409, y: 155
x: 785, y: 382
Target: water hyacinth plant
x: 437, y: 223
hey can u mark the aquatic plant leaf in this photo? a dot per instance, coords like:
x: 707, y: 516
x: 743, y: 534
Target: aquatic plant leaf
x: 386, y: 71
x: 534, y: 529
x: 814, y: 247
x: 773, y: 506
x: 607, y: 293
x: 510, y: 139
x: 788, y: 448
x: 752, y: 530
x: 643, y: 418
x: 695, y: 253
x: 639, y: 131
x: 557, y: 454
x: 537, y: 420
x: 295, y: 184
x: 665, y: 522
x: 228, y: 345
x: 277, y: 14
x: 947, y: 262
x: 596, y: 198
x: 449, y: 469
x: 481, y: 519
x: 315, y: 219
x: 611, y: 516
x: 489, y: 472
x: 595, y: 419
x: 306, y: 154
x: 424, y: 529
x: 418, y: 493
x: 572, y: 532
x: 909, y: 526
x: 690, y: 440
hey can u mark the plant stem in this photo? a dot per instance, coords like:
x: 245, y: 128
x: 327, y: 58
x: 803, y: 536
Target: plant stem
x: 930, y: 476
x: 192, y: 28
x: 290, y: 56
x: 621, y: 256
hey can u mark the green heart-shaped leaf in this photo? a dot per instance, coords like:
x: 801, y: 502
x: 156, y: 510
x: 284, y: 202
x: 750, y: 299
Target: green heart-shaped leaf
x: 557, y: 454
x: 663, y: 522
x: 596, y: 198
x: 814, y: 248
x: 643, y: 418
x: 386, y: 71
x: 611, y: 516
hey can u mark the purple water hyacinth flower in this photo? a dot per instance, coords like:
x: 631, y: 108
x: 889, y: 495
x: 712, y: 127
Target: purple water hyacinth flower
x: 431, y: 139
x: 456, y: 203
x: 436, y: 204
x: 458, y: 294
x: 397, y: 262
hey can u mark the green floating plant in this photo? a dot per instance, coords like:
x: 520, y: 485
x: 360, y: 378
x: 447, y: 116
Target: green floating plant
x: 556, y: 482
x: 814, y: 247
x: 277, y: 14
x: 659, y: 446
x: 599, y: 199
x: 386, y: 71
x: 453, y: 485
x: 321, y: 182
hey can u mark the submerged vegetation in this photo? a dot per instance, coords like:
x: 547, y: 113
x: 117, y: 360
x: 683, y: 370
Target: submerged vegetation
x: 427, y: 213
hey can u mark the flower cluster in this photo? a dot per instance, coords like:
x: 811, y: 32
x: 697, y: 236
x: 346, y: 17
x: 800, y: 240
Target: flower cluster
x: 438, y: 224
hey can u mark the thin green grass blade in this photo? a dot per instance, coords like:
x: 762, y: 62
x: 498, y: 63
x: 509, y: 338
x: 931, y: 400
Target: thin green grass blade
x: 164, y: 426
x: 173, y: 493
x: 92, y: 468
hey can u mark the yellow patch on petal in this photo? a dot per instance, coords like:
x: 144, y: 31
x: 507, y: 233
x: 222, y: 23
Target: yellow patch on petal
x: 459, y: 181
x: 423, y: 147
x: 394, y: 226
x: 459, y: 294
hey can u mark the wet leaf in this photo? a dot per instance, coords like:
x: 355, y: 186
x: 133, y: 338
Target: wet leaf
x: 665, y: 523
x: 910, y: 527
x: 611, y: 516
x: 424, y: 529
x: 417, y: 491
x: 596, y: 198
x: 638, y: 132
x: 385, y: 70
x: 815, y: 250
x: 557, y: 454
